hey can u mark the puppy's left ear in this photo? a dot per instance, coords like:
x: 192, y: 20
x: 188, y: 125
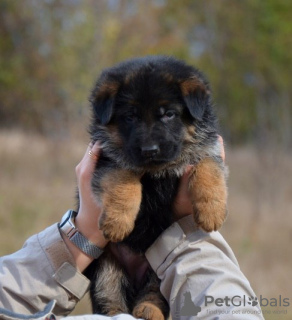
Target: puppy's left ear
x: 196, y: 96
x: 102, y: 99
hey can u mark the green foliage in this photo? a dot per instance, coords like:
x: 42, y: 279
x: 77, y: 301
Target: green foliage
x: 52, y: 51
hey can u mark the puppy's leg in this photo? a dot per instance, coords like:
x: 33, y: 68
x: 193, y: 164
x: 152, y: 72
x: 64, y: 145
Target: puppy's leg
x: 150, y: 304
x: 209, y: 194
x: 120, y: 193
x: 108, y: 286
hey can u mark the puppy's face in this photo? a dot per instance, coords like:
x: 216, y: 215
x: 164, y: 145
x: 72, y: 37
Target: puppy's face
x: 149, y: 106
x: 148, y: 115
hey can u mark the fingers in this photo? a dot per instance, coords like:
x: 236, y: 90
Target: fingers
x: 220, y: 139
x: 94, y: 151
x: 182, y: 204
x: 86, y: 166
x: 185, y: 178
x: 92, y: 154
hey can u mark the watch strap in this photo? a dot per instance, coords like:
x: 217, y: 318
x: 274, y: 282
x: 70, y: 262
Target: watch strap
x: 67, y: 226
x: 86, y: 245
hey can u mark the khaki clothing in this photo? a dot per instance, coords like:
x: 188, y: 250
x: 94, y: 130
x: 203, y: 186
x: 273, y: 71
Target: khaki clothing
x: 196, y: 269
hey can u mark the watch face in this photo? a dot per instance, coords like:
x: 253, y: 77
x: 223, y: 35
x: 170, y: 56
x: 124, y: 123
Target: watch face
x: 66, y: 217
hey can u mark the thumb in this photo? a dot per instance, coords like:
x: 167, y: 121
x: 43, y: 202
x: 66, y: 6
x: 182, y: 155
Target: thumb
x: 182, y: 204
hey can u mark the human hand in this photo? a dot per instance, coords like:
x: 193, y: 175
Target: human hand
x: 182, y: 203
x: 89, y: 209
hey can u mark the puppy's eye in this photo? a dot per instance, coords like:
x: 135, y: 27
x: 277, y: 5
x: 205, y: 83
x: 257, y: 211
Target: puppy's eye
x: 169, y: 115
x: 130, y: 118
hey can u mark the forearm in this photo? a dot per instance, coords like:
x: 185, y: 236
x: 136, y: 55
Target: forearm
x: 43, y: 270
x: 89, y: 229
x: 187, y: 259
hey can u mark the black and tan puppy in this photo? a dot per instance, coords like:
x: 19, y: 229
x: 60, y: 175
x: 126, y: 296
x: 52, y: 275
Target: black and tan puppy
x: 152, y: 116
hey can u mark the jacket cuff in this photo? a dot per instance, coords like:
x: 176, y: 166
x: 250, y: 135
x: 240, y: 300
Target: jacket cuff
x: 170, y: 239
x: 62, y: 262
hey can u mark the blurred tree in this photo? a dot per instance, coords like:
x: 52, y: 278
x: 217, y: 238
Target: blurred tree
x: 244, y: 47
x: 52, y: 51
x: 31, y: 95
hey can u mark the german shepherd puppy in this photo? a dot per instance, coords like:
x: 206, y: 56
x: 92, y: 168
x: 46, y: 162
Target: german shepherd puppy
x: 153, y: 116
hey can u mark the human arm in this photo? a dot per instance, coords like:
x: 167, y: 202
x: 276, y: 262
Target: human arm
x: 42, y: 279
x: 49, y: 267
x: 187, y: 259
x: 89, y: 210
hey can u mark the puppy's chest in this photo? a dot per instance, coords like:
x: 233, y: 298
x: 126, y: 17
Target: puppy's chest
x: 155, y: 213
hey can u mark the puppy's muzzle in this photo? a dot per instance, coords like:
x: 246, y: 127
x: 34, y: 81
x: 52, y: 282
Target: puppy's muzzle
x: 149, y: 152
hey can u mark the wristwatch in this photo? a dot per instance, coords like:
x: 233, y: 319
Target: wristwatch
x: 67, y: 226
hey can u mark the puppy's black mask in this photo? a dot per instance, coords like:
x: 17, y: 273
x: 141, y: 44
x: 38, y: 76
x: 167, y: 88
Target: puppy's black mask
x: 148, y: 114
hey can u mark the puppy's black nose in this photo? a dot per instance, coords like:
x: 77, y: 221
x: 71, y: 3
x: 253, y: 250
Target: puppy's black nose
x: 149, y: 151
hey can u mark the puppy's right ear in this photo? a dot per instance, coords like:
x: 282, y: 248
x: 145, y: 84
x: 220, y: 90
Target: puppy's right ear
x: 102, y: 99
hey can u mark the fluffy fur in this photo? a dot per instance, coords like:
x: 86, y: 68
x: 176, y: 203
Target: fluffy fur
x: 152, y: 116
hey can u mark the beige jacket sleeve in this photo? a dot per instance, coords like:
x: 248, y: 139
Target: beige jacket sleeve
x: 200, y: 275
x: 41, y: 278
x: 42, y: 271
x: 41, y: 282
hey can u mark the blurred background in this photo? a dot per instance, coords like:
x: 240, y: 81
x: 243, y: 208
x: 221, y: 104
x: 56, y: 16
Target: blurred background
x: 51, y: 53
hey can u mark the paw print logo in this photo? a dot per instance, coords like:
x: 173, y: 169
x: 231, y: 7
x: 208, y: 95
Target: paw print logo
x: 253, y: 301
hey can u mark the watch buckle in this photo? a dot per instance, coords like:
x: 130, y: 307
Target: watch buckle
x: 71, y: 232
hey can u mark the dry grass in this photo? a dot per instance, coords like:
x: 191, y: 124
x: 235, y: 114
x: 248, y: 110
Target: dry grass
x: 37, y: 186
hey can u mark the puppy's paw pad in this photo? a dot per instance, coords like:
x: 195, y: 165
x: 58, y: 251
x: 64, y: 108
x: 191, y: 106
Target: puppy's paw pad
x: 147, y: 311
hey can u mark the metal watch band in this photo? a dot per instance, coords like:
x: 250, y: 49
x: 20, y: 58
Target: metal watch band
x: 67, y: 225
x: 85, y: 245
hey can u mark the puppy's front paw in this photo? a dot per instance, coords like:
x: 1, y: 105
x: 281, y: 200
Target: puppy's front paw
x: 116, y: 227
x: 121, y: 197
x: 209, y: 194
x: 209, y: 215
x: 148, y: 311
